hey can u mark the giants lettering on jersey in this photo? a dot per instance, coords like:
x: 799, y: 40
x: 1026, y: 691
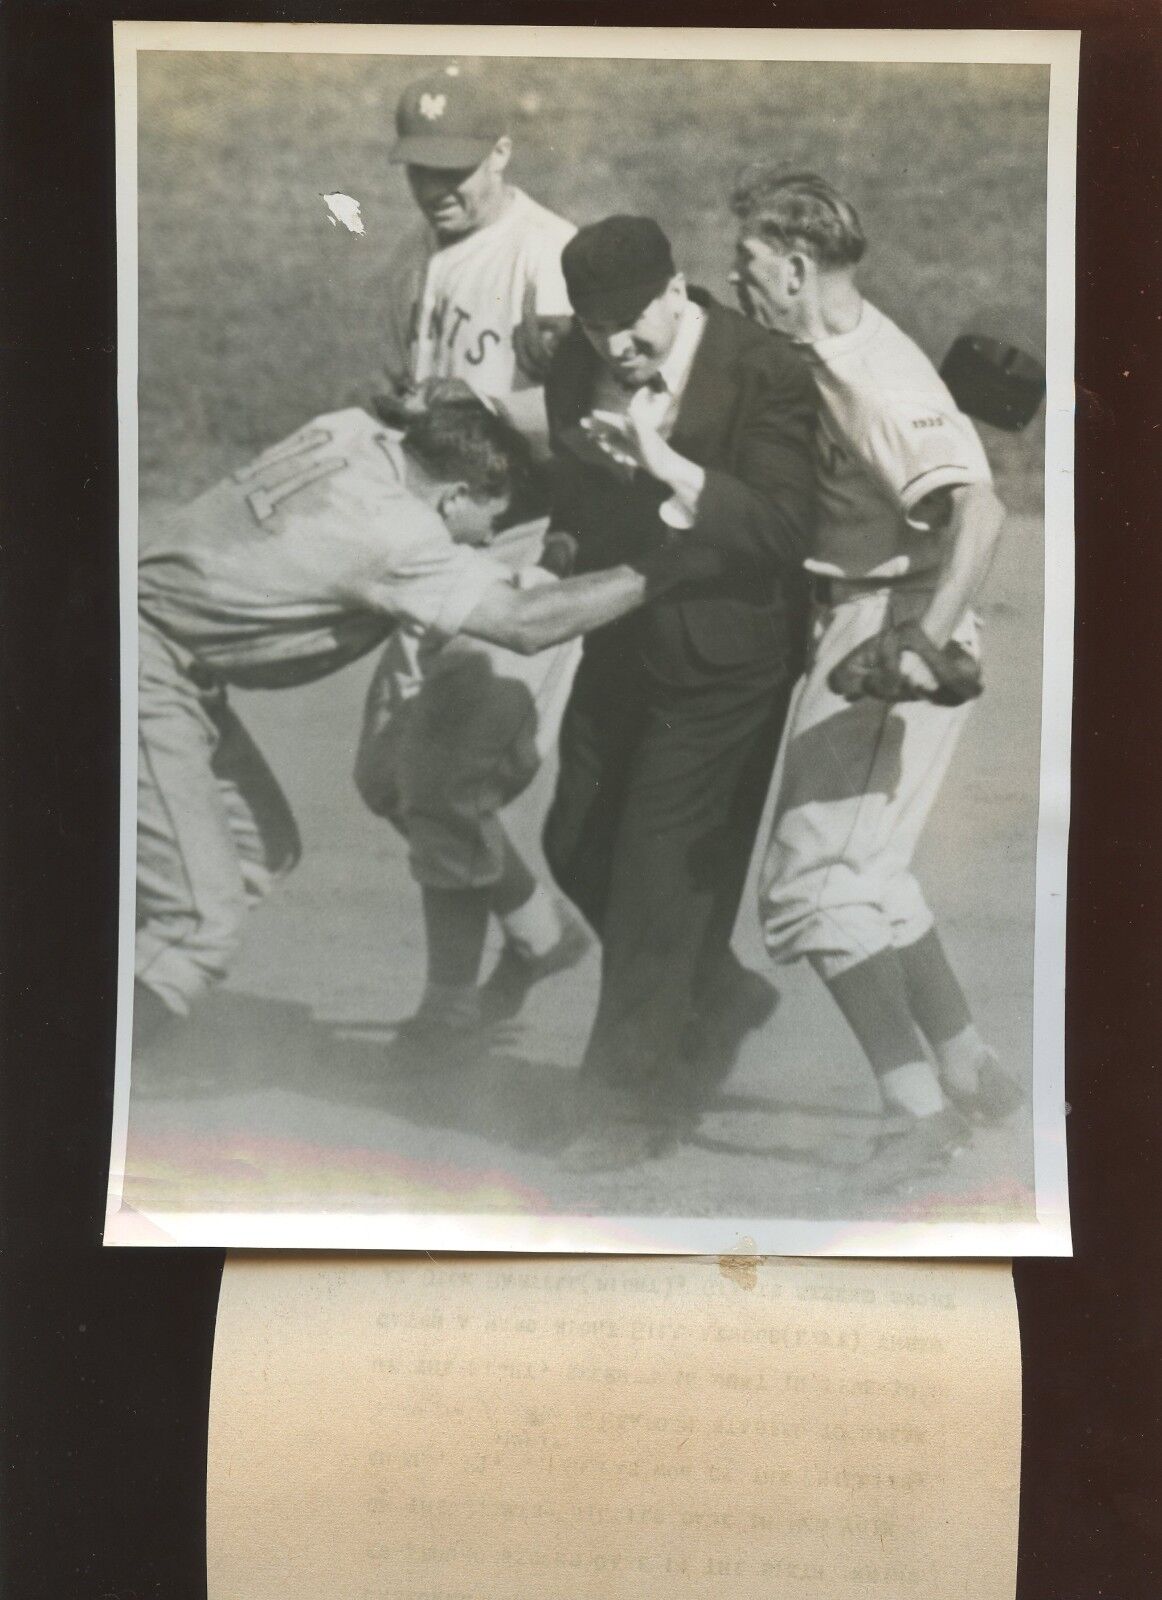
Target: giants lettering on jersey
x: 449, y: 335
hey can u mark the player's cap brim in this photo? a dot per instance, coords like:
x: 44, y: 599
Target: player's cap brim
x: 446, y: 154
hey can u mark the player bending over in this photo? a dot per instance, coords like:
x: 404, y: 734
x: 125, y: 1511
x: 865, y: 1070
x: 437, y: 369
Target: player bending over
x: 302, y: 561
x: 907, y: 528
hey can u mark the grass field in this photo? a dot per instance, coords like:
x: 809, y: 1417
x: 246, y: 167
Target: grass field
x: 256, y: 312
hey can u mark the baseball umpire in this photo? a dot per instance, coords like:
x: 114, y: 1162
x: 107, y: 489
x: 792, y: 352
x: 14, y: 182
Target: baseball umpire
x: 677, y: 423
x: 450, y: 736
x: 908, y: 525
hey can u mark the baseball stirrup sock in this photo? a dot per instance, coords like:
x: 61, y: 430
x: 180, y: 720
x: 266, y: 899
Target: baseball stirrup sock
x: 873, y: 998
x: 935, y: 997
x: 456, y: 922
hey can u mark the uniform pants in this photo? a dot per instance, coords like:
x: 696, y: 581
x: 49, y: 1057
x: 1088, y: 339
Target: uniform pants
x: 856, y: 784
x: 650, y: 834
x: 453, y: 733
x: 214, y: 829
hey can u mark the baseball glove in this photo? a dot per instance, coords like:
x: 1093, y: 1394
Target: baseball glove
x: 872, y: 670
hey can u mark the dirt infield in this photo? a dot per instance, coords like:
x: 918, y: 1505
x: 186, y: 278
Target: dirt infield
x: 298, y: 1105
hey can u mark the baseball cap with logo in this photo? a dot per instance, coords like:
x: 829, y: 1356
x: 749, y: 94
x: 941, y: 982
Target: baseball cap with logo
x: 614, y: 268
x: 446, y: 120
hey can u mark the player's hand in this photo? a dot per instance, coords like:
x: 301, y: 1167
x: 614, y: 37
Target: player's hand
x: 630, y: 443
x: 917, y: 676
x: 901, y: 662
x: 536, y: 337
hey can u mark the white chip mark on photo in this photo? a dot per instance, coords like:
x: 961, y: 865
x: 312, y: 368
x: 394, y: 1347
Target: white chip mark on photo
x: 344, y: 211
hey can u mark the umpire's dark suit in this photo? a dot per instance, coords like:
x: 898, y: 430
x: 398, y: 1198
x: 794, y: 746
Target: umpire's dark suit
x: 674, y: 720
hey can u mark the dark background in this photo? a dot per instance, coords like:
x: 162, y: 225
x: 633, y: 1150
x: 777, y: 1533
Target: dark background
x: 105, y: 1368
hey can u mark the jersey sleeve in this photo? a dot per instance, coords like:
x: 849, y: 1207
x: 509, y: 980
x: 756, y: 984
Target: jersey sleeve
x: 916, y: 444
x: 404, y: 286
x: 552, y: 297
x: 433, y: 582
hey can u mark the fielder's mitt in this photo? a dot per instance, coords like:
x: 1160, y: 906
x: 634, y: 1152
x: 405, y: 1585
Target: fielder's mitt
x: 872, y: 669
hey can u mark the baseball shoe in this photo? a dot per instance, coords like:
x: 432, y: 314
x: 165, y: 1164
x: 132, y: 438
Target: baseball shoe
x: 612, y: 1147
x: 425, y: 1045
x: 926, y: 1144
x: 996, y: 1096
x: 515, y: 975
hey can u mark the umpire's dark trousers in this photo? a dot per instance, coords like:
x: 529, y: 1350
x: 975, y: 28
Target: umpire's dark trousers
x: 659, y: 796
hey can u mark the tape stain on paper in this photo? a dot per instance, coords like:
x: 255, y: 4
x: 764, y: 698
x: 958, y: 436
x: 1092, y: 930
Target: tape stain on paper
x: 742, y: 1267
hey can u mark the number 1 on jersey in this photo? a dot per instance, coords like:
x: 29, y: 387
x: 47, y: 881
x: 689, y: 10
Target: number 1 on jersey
x: 286, y: 469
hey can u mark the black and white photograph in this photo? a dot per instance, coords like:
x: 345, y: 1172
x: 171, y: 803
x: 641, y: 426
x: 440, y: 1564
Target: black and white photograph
x: 597, y: 557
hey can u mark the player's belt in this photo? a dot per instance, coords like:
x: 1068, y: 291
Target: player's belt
x: 201, y: 676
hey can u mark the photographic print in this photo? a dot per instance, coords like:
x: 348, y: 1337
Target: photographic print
x: 597, y: 612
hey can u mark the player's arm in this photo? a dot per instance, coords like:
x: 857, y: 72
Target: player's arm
x: 392, y: 392
x: 970, y: 517
x: 528, y: 620
x: 524, y: 410
x: 764, y: 506
x: 534, y: 340
x: 537, y: 335
x: 975, y: 517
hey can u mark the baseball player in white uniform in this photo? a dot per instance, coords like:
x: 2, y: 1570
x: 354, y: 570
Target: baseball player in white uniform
x: 301, y: 562
x: 907, y: 528
x: 451, y: 736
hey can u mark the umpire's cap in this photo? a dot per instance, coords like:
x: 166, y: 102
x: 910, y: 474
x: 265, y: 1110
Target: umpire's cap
x: 614, y: 268
x: 447, y: 120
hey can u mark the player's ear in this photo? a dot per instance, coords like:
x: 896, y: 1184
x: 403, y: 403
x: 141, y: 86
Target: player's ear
x: 451, y: 496
x: 501, y: 153
x: 798, y: 269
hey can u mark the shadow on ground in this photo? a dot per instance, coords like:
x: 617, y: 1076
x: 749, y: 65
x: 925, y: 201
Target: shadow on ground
x: 243, y: 1045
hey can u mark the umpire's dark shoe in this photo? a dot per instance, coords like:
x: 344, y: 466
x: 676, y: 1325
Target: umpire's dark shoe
x: 717, y: 1034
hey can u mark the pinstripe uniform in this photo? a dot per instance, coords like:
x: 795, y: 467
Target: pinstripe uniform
x: 856, y: 782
